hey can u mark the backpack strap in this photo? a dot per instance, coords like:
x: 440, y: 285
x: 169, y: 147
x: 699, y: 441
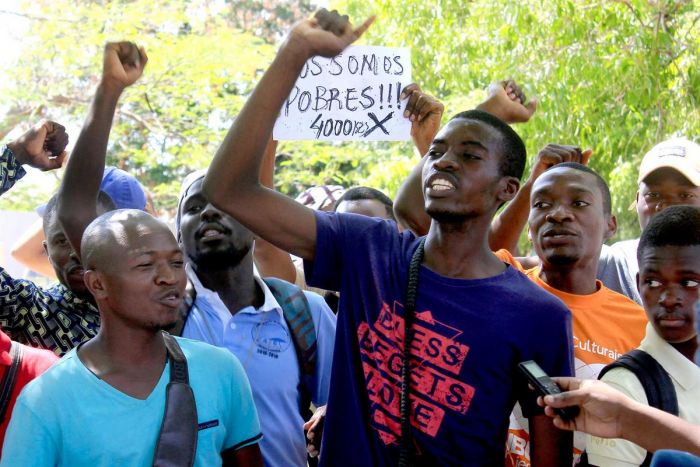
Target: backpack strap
x: 8, y: 381
x: 177, y: 439
x: 297, y: 314
x: 656, y: 382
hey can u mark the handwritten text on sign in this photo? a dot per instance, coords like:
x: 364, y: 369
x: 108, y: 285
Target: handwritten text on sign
x: 352, y: 96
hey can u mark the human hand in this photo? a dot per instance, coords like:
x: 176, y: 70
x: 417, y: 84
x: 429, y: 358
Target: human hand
x: 601, y: 407
x: 554, y: 154
x: 425, y: 113
x: 314, y: 430
x: 326, y: 34
x: 508, y: 102
x: 42, y: 147
x: 123, y: 64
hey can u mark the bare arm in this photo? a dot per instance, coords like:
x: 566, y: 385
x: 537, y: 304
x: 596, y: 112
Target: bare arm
x: 425, y: 113
x: 272, y: 261
x: 77, y: 200
x: 549, y: 446
x: 42, y: 147
x: 608, y: 413
x: 29, y: 250
x: 232, y: 183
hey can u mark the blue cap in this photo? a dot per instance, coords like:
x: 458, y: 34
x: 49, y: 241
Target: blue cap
x: 124, y: 189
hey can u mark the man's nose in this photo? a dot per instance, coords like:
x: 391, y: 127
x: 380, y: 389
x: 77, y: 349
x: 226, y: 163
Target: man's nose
x: 210, y: 212
x: 670, y: 297
x: 167, y: 274
x: 559, y: 213
x: 74, y: 256
x: 445, y: 162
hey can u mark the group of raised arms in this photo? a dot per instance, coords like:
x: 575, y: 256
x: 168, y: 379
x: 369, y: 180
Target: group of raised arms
x: 343, y: 328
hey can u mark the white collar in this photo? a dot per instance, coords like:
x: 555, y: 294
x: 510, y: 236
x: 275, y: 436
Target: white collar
x: 684, y: 371
x: 213, y: 298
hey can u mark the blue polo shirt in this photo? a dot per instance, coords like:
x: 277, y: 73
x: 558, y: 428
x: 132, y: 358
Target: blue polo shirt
x: 261, y: 340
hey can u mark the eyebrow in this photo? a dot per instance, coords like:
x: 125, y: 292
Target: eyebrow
x: 547, y: 190
x: 154, y: 252
x: 464, y: 143
x: 194, y: 196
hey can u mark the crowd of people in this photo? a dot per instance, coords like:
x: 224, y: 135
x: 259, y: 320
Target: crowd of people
x: 343, y: 328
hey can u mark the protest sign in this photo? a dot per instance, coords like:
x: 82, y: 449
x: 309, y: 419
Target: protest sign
x: 352, y: 96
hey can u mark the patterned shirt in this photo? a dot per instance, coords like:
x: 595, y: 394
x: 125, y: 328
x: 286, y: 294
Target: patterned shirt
x: 53, y: 318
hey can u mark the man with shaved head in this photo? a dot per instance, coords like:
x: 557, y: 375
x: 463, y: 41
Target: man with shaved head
x: 104, y: 402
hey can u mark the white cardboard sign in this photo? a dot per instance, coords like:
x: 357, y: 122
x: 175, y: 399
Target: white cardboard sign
x: 352, y: 96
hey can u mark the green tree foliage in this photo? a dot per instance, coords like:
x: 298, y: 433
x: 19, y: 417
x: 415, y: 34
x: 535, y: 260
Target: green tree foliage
x: 617, y: 76
x: 200, y: 70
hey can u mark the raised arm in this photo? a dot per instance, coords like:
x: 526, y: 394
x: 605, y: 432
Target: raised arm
x: 77, y: 201
x: 232, y: 183
x: 425, y: 113
x: 42, y: 147
x: 608, y: 413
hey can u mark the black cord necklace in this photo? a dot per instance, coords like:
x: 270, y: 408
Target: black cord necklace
x: 406, y: 446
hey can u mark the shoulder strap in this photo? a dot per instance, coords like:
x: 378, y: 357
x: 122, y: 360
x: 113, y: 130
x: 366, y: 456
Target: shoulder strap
x: 178, y: 362
x: 297, y: 314
x: 177, y: 439
x: 8, y: 381
x: 656, y: 382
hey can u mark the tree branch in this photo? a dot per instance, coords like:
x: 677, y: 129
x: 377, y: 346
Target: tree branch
x: 36, y: 18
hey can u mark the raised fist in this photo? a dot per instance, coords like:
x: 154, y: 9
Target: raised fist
x: 425, y: 113
x: 508, y: 102
x: 42, y: 147
x: 554, y: 154
x: 326, y: 34
x: 123, y: 64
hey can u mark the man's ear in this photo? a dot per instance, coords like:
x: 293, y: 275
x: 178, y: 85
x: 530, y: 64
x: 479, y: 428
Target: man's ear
x: 46, y: 247
x: 509, y: 188
x: 610, y: 227
x: 639, y: 288
x: 94, y: 281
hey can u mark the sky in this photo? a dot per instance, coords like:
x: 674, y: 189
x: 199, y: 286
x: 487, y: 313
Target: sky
x: 12, y: 27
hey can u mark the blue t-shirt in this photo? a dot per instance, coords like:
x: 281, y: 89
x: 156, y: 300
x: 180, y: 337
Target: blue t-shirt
x: 69, y: 417
x: 470, y: 336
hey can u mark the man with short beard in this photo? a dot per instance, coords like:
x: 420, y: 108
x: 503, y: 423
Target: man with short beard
x: 104, y: 402
x: 570, y: 218
x: 447, y: 357
x: 232, y: 309
x: 235, y: 309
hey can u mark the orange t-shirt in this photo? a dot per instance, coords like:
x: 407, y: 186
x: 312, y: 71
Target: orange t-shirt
x: 606, y: 324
